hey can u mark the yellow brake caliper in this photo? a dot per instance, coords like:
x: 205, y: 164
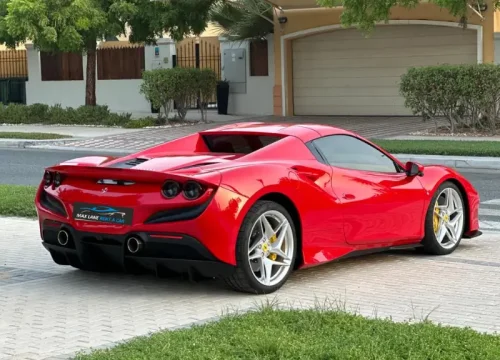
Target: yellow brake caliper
x: 435, y: 218
x: 273, y: 257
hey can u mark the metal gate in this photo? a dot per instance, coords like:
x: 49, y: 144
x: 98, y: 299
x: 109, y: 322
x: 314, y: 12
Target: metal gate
x: 200, y: 53
x: 13, y: 76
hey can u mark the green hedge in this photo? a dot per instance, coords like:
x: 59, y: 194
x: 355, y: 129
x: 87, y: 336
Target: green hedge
x: 161, y: 87
x: 468, y: 96
x: 83, y: 115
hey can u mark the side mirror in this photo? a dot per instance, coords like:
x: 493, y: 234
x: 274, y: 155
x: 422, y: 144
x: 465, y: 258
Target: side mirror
x: 414, y: 169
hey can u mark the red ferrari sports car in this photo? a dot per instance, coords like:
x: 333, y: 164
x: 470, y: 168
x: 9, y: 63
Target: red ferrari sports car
x: 250, y: 203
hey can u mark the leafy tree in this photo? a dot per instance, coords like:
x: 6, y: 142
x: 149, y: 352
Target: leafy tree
x: 77, y: 25
x: 243, y: 19
x: 366, y: 13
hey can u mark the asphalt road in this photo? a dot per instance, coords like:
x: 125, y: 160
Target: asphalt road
x: 25, y: 166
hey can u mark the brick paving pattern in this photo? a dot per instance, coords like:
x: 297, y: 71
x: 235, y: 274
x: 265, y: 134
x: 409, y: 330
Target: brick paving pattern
x: 50, y: 312
x: 371, y: 127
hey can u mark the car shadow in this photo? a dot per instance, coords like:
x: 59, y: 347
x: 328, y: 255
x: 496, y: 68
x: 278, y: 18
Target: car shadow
x: 125, y: 284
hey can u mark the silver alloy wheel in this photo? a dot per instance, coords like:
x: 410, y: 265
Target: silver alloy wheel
x: 270, y: 248
x: 448, y: 219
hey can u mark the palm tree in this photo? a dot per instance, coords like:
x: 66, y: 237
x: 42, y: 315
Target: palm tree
x: 239, y: 20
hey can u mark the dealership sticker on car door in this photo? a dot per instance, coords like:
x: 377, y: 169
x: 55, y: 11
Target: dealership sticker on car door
x: 102, y: 214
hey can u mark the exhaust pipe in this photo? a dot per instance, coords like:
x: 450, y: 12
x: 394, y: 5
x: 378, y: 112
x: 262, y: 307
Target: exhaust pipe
x: 134, y: 245
x: 63, y: 237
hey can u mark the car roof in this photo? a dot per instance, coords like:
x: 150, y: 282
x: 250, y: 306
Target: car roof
x: 303, y: 131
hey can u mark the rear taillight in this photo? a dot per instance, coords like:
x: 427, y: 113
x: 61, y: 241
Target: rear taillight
x: 191, y: 190
x: 54, y: 179
x: 57, y: 179
x: 47, y: 178
x: 171, y: 189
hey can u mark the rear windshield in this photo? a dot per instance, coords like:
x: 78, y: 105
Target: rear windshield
x: 238, y: 143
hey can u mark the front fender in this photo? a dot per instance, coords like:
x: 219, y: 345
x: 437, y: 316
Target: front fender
x: 435, y: 175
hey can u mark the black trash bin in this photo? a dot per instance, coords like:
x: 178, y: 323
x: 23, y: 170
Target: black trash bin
x: 222, y: 96
x: 155, y: 110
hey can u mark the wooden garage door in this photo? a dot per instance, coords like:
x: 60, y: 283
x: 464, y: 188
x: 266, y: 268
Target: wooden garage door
x: 344, y: 73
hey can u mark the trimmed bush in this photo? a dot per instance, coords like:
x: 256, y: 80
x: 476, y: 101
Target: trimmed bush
x: 83, y: 115
x: 468, y: 96
x: 50, y: 115
x: 163, y: 87
x: 206, y: 83
x: 157, y: 90
x: 184, y: 88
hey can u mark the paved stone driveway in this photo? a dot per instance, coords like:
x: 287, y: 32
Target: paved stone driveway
x: 372, y: 127
x: 49, y: 312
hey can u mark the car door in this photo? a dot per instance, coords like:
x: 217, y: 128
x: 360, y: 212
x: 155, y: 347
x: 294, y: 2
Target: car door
x: 380, y: 203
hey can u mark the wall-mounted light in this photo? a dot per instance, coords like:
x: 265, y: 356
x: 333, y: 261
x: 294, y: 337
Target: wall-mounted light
x: 282, y: 19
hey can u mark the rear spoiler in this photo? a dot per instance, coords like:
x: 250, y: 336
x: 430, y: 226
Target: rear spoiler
x: 136, y: 175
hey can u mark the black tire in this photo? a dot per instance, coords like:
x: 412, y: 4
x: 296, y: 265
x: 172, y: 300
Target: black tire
x: 243, y: 279
x: 430, y: 242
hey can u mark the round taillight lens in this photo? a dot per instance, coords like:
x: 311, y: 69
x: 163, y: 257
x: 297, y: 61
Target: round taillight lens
x: 192, y: 190
x: 47, y: 178
x: 171, y: 189
x: 57, y: 179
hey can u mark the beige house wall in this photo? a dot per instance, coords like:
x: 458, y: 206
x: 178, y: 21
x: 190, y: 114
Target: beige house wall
x: 310, y: 18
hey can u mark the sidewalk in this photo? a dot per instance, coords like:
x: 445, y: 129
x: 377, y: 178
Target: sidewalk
x: 92, y: 137
x: 125, y: 141
x: 459, y: 138
x: 50, y: 312
x: 370, y: 127
x: 69, y: 130
x: 457, y: 162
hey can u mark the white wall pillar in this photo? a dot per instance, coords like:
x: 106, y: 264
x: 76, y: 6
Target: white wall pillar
x: 258, y: 99
x: 162, y: 59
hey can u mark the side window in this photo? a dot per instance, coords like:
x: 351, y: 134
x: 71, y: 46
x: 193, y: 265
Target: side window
x: 348, y: 152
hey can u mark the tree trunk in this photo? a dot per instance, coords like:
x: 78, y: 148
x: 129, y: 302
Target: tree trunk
x: 90, y: 97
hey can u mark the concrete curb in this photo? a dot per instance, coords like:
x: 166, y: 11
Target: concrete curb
x: 457, y: 162
x: 97, y: 151
x: 28, y: 143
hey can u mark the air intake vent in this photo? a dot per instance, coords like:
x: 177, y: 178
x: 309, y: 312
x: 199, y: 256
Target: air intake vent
x: 198, y: 165
x: 129, y: 163
x: 135, y: 162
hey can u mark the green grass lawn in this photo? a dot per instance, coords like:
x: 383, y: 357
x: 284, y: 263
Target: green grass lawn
x: 31, y: 136
x: 307, y: 334
x: 17, y: 200
x: 441, y: 147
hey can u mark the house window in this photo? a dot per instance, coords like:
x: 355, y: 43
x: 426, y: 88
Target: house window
x: 259, y: 62
x: 61, y: 66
